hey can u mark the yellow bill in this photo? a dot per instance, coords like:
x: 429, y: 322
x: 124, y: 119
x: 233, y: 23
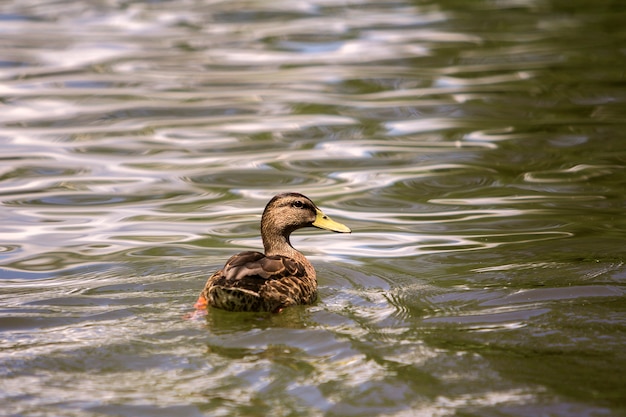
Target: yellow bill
x: 324, y: 222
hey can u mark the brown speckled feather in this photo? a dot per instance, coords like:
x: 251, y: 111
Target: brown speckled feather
x: 251, y: 281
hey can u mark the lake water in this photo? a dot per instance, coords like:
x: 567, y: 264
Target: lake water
x: 477, y: 150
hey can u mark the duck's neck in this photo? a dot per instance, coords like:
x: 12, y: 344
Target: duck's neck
x: 276, y: 242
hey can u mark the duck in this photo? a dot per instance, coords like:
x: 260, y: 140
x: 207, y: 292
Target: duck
x: 281, y: 276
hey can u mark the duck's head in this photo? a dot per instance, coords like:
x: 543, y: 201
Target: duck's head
x: 291, y: 211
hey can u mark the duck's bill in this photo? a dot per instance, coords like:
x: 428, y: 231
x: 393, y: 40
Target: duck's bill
x: 324, y: 222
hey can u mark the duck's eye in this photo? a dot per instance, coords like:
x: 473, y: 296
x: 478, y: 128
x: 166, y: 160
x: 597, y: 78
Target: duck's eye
x: 297, y: 204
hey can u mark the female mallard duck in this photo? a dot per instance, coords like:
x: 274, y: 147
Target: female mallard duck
x: 253, y: 281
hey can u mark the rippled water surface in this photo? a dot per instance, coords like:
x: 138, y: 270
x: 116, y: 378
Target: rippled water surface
x: 476, y: 149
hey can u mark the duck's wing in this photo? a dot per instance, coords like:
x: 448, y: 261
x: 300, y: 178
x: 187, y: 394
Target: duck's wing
x: 251, y: 281
x: 255, y: 265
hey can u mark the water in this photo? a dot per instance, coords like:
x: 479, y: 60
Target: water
x: 476, y: 149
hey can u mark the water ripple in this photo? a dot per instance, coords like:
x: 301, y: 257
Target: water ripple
x: 391, y: 245
x: 578, y: 173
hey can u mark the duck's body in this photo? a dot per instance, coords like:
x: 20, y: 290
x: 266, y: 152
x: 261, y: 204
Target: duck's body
x: 278, y: 278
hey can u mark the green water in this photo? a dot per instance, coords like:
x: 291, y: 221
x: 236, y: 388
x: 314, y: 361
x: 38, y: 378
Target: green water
x: 476, y: 149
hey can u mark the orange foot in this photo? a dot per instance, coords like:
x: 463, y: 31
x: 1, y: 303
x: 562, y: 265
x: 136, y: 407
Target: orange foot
x: 201, y: 309
x: 201, y: 304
